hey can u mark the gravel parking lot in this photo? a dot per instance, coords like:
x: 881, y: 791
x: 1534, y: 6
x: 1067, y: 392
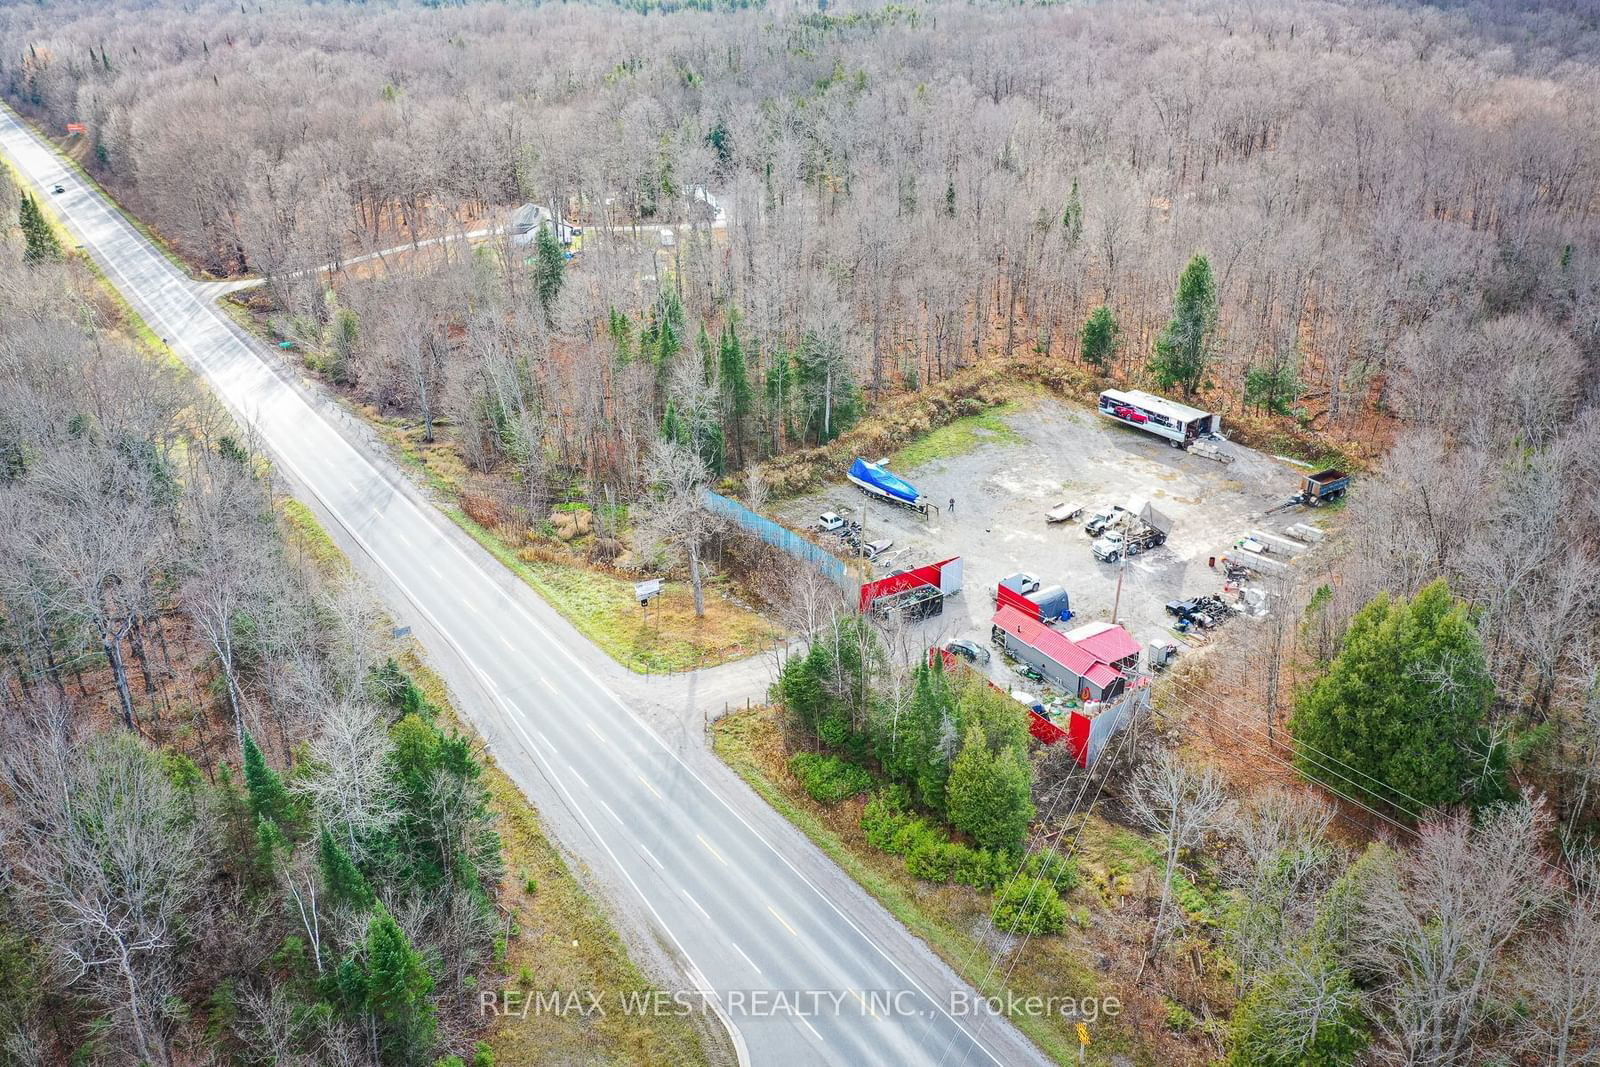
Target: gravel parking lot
x: 1057, y: 452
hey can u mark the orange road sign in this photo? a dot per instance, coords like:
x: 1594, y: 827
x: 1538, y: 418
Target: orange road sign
x: 77, y: 127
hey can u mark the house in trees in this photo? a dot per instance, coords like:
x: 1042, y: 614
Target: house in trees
x: 529, y: 219
x: 704, y: 207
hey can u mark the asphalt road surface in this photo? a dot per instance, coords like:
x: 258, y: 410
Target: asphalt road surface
x: 741, y: 903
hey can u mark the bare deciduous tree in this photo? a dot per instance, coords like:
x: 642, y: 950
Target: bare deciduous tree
x: 1181, y: 807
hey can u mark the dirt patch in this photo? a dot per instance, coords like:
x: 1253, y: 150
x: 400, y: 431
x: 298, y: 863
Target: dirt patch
x: 1052, y: 451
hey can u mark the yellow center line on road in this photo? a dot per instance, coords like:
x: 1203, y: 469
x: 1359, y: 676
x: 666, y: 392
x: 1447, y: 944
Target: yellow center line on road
x: 711, y: 850
x: 648, y: 786
x: 784, y: 921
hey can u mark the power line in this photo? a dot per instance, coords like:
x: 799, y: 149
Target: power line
x: 1016, y: 955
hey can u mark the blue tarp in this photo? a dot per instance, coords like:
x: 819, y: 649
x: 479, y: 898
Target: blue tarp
x: 878, y: 477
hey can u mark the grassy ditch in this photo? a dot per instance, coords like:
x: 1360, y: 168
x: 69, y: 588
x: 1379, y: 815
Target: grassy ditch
x: 602, y: 608
x: 952, y: 919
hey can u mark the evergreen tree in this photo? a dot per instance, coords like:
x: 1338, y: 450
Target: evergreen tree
x: 1403, y: 706
x: 268, y: 799
x: 1272, y: 387
x: 40, y: 239
x: 1183, y: 350
x: 345, y: 332
x: 826, y: 691
x: 1099, y: 338
x: 270, y: 848
x: 708, y: 354
x: 621, y: 329
x: 549, y: 266
x: 1306, y: 1013
x: 343, y: 880
x: 989, y: 794
x: 829, y: 399
x: 396, y: 989
x: 779, y: 388
x: 735, y: 386
x: 1072, y: 217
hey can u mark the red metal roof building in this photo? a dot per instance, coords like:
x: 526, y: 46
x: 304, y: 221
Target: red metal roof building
x: 1061, y: 660
x: 1107, y: 643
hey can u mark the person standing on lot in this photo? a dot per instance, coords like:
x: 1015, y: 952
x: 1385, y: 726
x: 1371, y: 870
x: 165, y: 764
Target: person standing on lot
x: 952, y: 505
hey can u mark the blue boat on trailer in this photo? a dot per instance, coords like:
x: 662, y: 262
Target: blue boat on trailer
x: 875, y: 479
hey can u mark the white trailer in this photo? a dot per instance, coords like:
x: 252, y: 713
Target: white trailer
x: 1179, y: 424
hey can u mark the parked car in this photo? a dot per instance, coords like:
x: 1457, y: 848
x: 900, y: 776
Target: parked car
x: 970, y: 651
x: 1024, y: 583
x: 1181, y: 609
x: 829, y: 522
x: 874, y: 549
x: 58, y: 189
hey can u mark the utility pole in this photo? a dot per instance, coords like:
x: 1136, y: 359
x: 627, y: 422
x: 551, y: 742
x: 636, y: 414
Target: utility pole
x: 1122, y: 569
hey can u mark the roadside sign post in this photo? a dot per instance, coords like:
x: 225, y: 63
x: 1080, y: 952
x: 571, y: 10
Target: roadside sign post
x: 1083, y: 1042
x: 644, y: 592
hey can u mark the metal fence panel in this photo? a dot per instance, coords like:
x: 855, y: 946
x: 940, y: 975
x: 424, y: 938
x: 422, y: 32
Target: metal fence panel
x: 779, y: 537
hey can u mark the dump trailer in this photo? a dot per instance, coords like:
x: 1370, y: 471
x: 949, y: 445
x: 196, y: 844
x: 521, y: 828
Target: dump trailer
x: 1143, y: 529
x: 875, y: 480
x: 1317, y: 489
x: 1323, y: 487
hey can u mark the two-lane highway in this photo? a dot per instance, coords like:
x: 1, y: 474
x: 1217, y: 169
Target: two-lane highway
x: 734, y: 894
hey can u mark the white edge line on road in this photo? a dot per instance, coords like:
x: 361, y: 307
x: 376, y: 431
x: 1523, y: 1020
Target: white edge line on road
x: 696, y: 903
x: 742, y: 956
x: 186, y: 286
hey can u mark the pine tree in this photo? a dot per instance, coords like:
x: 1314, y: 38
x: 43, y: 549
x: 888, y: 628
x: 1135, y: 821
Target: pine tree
x: 1183, y: 351
x: 735, y: 387
x: 549, y: 265
x: 343, y: 880
x: 40, y: 239
x: 397, y: 986
x: 1072, y: 217
x: 989, y: 794
x: 621, y: 329
x: 270, y: 848
x: 708, y: 361
x: 267, y: 796
x: 779, y: 388
x: 1404, y: 704
x: 1099, y: 338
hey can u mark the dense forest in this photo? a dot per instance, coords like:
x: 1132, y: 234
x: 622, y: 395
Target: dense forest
x: 232, y: 826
